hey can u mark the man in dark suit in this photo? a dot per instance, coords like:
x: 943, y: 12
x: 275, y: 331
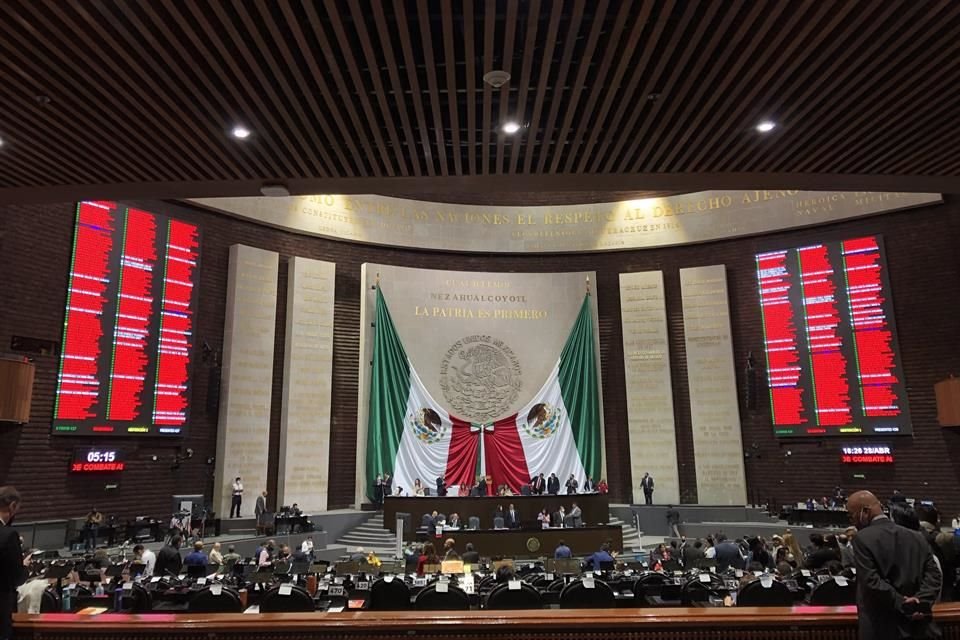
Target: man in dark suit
x: 260, y: 511
x: 512, y: 518
x: 441, y: 487
x: 558, y: 517
x: 169, y: 562
x: 897, y: 577
x: 553, y: 484
x: 387, y: 485
x: 539, y: 484
x: 470, y: 556
x: 728, y: 554
x: 647, y: 485
x: 13, y: 571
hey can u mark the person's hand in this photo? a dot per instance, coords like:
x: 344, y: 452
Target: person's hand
x: 28, y: 560
x: 915, y: 602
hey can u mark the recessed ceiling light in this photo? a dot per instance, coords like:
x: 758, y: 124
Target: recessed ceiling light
x: 511, y: 127
x: 766, y: 126
x: 240, y: 132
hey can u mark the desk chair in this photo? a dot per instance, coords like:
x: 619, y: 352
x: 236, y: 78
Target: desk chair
x: 754, y: 594
x: 832, y: 594
x: 204, y: 601
x: 498, y: 523
x: 298, y: 601
x: 429, y: 599
x: 473, y: 522
x: 577, y: 596
x: 503, y: 598
x: 389, y: 596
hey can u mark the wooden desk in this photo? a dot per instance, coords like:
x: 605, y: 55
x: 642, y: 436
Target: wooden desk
x: 595, y: 508
x: 533, y: 543
x: 738, y: 623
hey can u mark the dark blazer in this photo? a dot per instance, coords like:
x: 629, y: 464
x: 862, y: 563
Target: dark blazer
x: 893, y: 562
x: 168, y: 562
x: 470, y: 557
x: 514, y: 522
x: 647, y: 484
x: 556, y: 519
x: 12, y: 572
x: 553, y: 485
x: 539, y: 485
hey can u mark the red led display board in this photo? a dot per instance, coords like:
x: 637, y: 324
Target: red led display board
x: 833, y: 366
x: 128, y: 336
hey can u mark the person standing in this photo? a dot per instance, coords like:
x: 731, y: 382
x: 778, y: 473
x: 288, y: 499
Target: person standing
x: 647, y: 485
x: 553, y: 484
x: 673, y: 519
x: 572, y: 485
x: 897, y: 576
x: 236, y: 498
x: 387, y: 485
x: 562, y: 551
x: 441, y: 487
x: 169, y: 562
x: 539, y: 484
x: 513, y: 518
x: 13, y: 571
x: 197, y: 558
x: 378, y: 492
x: 260, y: 511
x: 91, y: 527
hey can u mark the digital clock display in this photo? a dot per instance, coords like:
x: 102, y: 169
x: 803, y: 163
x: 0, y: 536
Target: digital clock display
x: 97, y: 461
x: 867, y: 454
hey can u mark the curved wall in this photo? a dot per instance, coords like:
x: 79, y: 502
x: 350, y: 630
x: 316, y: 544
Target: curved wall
x: 924, y: 272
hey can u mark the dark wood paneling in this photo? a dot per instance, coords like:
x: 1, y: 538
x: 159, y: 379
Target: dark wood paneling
x: 925, y: 276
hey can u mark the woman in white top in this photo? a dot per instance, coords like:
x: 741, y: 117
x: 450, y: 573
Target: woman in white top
x: 710, y: 552
x: 417, y: 488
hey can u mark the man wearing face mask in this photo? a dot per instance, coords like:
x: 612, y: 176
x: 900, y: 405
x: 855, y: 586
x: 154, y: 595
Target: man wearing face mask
x: 897, y: 577
x: 12, y: 564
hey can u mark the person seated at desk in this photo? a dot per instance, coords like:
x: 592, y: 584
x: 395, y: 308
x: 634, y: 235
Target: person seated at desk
x: 512, y: 519
x: 558, y: 519
x: 453, y: 522
x: 295, y: 510
x: 449, y: 552
x: 470, y: 556
x: 544, y: 518
x: 665, y: 557
x: 418, y: 488
x: 572, y: 485
x: 231, y: 555
x: 602, y: 487
x: 196, y: 558
x: 505, y: 490
x: 464, y: 490
x: 145, y: 557
x: 597, y: 559
x: 427, y: 556
x: 562, y: 551
x: 215, y: 556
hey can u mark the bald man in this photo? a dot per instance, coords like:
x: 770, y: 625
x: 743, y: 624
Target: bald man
x: 897, y: 577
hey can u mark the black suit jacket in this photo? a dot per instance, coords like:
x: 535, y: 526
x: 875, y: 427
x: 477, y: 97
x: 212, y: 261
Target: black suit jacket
x: 12, y: 571
x: 893, y: 562
x: 470, y: 557
x: 168, y: 562
x: 539, y: 485
x: 553, y: 485
x: 647, y: 484
x: 556, y: 519
x: 514, y: 522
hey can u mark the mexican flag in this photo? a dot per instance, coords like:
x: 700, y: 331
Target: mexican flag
x: 410, y: 436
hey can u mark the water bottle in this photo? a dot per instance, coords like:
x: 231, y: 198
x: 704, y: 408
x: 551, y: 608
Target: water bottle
x: 99, y: 589
x: 66, y: 600
x: 118, y: 600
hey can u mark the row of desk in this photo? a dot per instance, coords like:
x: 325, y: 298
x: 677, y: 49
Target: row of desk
x: 534, y: 542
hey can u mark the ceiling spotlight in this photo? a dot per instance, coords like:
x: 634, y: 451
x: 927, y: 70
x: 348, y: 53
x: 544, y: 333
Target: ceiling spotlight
x: 511, y: 127
x: 240, y: 132
x: 496, y: 78
x: 766, y: 126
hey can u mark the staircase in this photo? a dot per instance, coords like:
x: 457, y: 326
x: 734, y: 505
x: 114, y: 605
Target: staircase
x: 631, y: 536
x: 372, y: 536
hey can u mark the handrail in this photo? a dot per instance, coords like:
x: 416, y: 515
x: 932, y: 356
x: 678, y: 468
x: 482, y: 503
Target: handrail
x: 171, y: 623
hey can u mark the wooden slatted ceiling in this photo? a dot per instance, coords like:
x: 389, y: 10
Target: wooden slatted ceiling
x: 108, y: 97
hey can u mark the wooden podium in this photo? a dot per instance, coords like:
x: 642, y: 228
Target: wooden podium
x: 948, y: 402
x: 16, y: 389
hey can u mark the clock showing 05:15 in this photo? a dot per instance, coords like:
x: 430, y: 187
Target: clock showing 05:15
x: 99, y: 460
